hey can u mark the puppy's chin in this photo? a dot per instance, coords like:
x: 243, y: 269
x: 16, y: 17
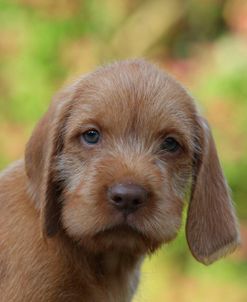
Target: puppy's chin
x: 121, y: 238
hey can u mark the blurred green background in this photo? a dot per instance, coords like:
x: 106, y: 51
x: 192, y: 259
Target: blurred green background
x: 47, y: 43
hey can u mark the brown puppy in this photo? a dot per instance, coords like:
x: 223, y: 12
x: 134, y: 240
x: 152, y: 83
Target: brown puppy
x: 102, y: 185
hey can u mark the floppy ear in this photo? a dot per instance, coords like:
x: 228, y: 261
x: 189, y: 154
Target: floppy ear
x: 45, y: 144
x: 211, y: 227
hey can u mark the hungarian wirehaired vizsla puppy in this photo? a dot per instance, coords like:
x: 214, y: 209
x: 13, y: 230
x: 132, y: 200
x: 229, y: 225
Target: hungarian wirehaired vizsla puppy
x: 103, y: 184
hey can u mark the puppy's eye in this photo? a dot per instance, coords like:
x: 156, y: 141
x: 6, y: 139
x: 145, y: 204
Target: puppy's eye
x: 91, y: 137
x: 170, y: 145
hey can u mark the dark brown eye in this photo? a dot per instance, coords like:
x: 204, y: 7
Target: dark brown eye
x: 170, y: 145
x: 91, y: 137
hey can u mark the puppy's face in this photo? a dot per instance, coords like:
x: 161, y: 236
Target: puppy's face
x: 126, y: 160
x: 125, y: 143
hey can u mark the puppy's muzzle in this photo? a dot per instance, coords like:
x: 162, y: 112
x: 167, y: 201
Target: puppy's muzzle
x: 127, y: 198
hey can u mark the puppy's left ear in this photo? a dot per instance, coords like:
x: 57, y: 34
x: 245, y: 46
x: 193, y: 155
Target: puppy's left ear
x: 45, y: 144
x: 211, y: 228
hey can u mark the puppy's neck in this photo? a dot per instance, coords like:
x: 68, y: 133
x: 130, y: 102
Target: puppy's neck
x: 114, y: 263
x: 114, y: 273
x: 100, y: 264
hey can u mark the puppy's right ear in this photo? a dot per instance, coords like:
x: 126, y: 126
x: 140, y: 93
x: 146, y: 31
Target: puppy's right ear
x: 45, y: 144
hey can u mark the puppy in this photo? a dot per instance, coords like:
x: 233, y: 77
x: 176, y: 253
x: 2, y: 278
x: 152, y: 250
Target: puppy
x: 103, y: 184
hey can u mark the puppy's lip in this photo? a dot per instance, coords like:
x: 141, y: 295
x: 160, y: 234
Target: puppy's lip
x: 121, y: 228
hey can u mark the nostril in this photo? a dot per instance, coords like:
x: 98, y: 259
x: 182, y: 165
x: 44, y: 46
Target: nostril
x: 136, y: 202
x: 117, y: 199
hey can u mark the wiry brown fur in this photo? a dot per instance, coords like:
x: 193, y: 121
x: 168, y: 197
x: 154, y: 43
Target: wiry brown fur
x: 61, y: 239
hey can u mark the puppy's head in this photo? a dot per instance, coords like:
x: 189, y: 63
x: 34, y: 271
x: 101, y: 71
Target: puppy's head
x: 110, y: 162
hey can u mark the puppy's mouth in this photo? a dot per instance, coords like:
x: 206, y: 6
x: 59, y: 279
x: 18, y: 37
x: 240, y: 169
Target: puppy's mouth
x: 120, y: 229
x: 126, y: 238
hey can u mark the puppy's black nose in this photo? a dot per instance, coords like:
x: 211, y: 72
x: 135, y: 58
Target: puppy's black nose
x: 127, y: 197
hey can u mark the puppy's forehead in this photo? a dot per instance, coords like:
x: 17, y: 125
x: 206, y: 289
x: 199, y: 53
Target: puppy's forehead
x: 133, y: 94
